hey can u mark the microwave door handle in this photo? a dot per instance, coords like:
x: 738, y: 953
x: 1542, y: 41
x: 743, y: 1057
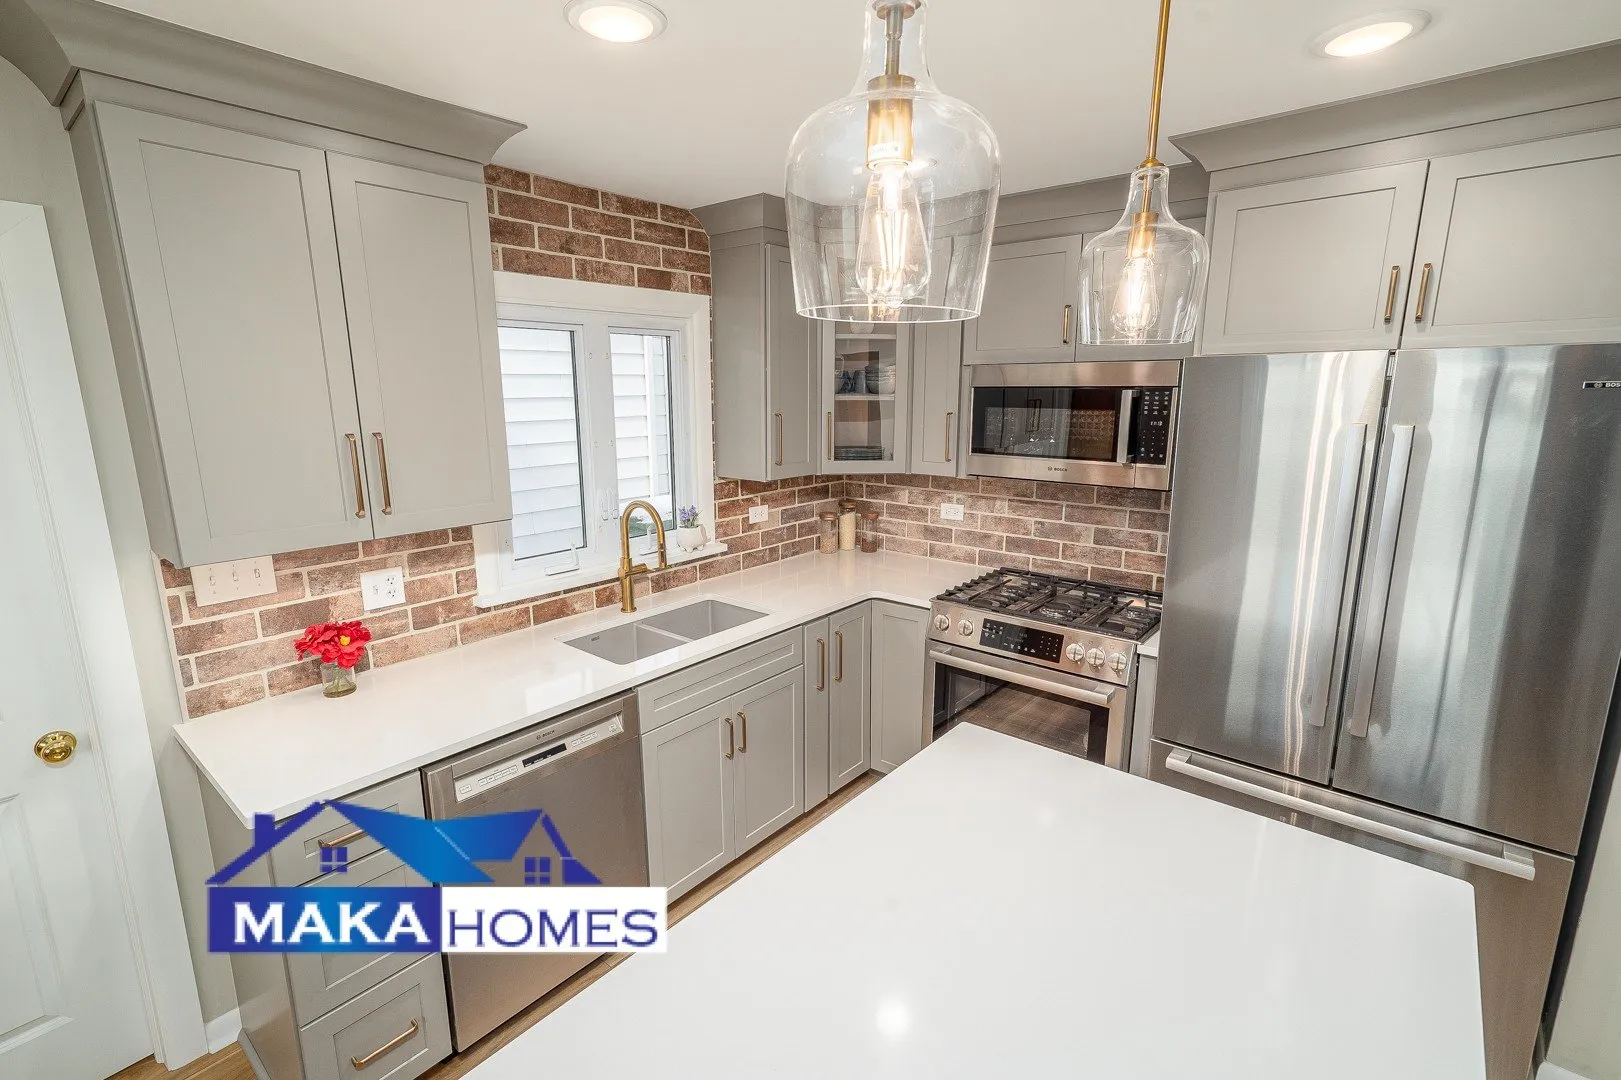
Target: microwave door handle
x: 1033, y: 682
x: 1122, y: 440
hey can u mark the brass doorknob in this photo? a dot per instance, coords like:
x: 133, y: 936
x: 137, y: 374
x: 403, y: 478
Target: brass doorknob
x: 55, y: 747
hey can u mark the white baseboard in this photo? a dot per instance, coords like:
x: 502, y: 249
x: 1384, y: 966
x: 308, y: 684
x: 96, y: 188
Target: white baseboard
x: 223, y: 1030
x: 1550, y: 1071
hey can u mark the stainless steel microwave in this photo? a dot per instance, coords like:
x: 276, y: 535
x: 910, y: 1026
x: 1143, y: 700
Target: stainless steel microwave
x: 1107, y: 422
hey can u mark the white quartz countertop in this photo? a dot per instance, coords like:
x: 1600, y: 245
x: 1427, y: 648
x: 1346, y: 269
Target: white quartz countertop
x: 997, y: 909
x: 278, y: 755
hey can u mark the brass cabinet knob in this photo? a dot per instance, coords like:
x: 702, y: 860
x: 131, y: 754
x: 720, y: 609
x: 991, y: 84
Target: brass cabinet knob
x: 55, y: 747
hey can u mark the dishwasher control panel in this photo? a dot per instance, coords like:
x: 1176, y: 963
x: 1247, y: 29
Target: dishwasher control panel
x: 493, y: 776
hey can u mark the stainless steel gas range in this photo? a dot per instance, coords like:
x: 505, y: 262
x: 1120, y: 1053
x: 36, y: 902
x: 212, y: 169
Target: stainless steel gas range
x: 1043, y: 658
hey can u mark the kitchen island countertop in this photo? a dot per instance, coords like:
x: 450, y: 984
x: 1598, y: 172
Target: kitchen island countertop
x: 994, y: 908
x: 278, y: 755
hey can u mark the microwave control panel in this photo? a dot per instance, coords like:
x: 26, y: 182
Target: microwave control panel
x: 1153, y: 423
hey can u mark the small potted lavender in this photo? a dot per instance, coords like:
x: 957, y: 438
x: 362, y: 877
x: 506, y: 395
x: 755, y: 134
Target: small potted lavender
x: 689, y: 535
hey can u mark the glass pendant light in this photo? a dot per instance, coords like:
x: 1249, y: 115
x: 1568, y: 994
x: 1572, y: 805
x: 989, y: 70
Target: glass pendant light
x: 1142, y: 282
x: 892, y: 190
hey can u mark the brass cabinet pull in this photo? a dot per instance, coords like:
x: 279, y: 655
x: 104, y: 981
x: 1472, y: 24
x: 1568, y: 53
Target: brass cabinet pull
x: 342, y: 841
x: 839, y: 635
x: 779, y: 437
x: 1423, y: 288
x: 830, y: 435
x: 354, y: 463
x: 397, y: 1041
x: 1068, y: 311
x: 382, y: 469
x: 951, y: 424
x: 743, y: 722
x: 821, y: 663
x: 731, y: 739
x: 1390, y: 293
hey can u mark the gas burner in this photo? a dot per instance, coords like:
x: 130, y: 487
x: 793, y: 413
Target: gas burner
x: 1096, y: 606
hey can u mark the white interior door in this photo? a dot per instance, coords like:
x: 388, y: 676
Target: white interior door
x: 71, y: 1006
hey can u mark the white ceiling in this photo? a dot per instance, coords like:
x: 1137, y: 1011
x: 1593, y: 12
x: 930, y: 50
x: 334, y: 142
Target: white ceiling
x: 705, y: 112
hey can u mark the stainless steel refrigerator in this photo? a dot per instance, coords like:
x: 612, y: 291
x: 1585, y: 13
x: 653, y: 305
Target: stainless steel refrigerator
x: 1393, y: 615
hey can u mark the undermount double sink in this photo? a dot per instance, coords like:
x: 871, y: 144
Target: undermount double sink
x: 663, y: 631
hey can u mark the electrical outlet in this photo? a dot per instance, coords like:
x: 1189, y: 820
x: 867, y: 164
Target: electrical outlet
x: 759, y: 514
x: 951, y: 511
x: 382, y: 588
x: 218, y: 583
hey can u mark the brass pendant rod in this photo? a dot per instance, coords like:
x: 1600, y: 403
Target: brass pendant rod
x: 1159, y: 85
x: 894, y: 20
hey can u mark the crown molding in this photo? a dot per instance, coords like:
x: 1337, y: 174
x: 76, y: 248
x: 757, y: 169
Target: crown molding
x: 51, y: 41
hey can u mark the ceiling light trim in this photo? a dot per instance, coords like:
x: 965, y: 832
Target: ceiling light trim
x: 1415, y: 19
x: 578, y: 12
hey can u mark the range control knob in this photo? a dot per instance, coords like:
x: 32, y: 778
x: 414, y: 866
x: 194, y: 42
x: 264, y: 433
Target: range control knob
x: 965, y: 628
x: 942, y: 622
x: 1118, y: 662
x: 1076, y: 652
x: 1095, y: 657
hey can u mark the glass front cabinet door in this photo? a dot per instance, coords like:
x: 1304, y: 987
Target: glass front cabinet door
x: 865, y: 389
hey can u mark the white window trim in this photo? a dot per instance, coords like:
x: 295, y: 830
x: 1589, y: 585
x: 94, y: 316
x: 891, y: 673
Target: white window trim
x: 499, y: 581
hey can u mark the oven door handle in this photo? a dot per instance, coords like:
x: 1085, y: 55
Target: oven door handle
x: 1063, y: 686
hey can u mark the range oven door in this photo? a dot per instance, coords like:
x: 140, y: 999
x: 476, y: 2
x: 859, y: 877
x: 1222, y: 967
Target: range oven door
x: 1094, y: 423
x: 1064, y: 712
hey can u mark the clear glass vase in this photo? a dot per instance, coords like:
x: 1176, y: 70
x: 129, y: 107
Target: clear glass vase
x: 338, y: 681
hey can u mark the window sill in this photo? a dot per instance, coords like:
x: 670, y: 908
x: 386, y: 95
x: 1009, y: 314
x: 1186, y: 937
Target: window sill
x: 601, y: 573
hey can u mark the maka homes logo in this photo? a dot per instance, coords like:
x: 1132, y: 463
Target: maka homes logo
x: 572, y: 911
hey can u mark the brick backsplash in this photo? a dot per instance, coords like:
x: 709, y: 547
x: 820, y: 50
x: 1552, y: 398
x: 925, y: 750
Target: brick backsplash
x: 555, y: 229
x: 235, y: 653
x: 1109, y: 534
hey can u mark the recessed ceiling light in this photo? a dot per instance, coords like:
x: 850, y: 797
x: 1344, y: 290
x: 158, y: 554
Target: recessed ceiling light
x: 621, y: 21
x: 1360, y: 37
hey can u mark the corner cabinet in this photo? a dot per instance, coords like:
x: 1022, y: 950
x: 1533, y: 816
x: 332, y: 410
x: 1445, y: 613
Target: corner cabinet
x: 1312, y: 264
x: 899, y: 639
x: 305, y: 340
x: 865, y: 391
x: 937, y: 429
x: 1522, y: 244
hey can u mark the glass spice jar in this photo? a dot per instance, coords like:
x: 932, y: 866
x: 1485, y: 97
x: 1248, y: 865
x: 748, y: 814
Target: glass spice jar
x: 847, y: 524
x: 867, y: 534
x: 827, y: 534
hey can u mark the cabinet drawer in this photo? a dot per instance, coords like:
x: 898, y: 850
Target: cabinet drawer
x: 297, y: 859
x: 685, y: 692
x: 394, y: 1031
x: 320, y: 982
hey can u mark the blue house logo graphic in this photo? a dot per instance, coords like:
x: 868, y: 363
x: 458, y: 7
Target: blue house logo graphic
x: 464, y: 911
x: 444, y: 852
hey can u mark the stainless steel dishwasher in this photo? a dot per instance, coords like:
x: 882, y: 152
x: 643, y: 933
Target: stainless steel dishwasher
x: 584, y: 770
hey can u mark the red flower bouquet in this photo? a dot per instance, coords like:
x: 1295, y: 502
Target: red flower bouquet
x: 340, y: 647
x: 341, y: 643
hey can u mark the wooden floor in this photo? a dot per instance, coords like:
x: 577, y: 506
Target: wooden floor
x: 231, y: 1064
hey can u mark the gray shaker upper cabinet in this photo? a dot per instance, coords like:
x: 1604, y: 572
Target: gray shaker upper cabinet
x: 767, y: 362
x: 414, y: 250
x: 227, y: 248
x: 936, y: 388
x: 1523, y: 246
x: 1312, y: 264
x: 1028, y: 313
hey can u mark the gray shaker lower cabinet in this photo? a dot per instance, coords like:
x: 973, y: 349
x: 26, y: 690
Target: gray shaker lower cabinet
x: 849, y: 737
x: 818, y: 697
x: 899, y: 634
x: 686, y: 779
x: 414, y: 248
x: 1523, y: 246
x: 768, y: 770
x: 397, y: 1030
x: 241, y: 398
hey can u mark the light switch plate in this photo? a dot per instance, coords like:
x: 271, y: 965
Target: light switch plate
x: 951, y: 511
x: 382, y: 588
x: 758, y: 514
x: 218, y: 583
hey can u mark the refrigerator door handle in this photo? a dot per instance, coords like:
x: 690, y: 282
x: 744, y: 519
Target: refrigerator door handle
x: 1331, y: 584
x: 1513, y: 861
x: 1371, y: 638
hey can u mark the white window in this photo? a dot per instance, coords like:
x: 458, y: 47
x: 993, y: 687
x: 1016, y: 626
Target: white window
x: 607, y: 402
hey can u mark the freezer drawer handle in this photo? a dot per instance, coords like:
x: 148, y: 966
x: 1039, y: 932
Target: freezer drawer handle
x: 1381, y: 573
x: 1511, y: 862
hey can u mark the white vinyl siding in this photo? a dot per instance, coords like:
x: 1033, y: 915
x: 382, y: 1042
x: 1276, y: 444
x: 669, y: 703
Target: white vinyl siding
x: 543, y: 439
x: 643, y: 448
